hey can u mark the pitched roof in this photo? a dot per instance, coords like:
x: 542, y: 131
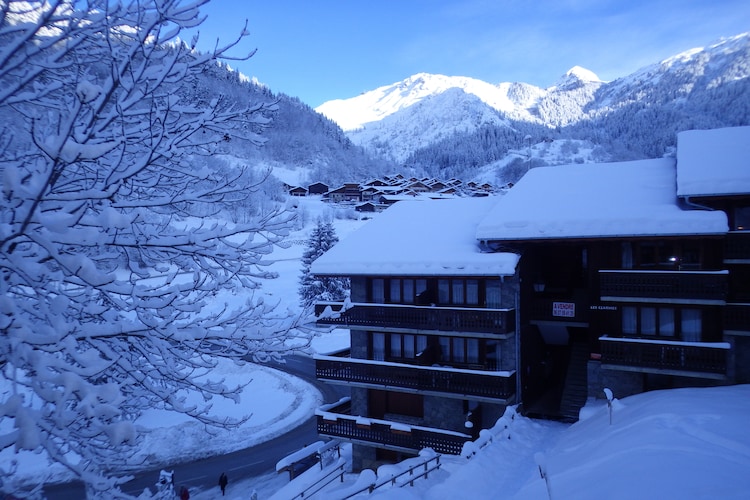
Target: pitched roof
x: 713, y: 162
x: 419, y: 238
x: 624, y: 199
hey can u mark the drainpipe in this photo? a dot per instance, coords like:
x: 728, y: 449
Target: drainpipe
x: 518, y: 343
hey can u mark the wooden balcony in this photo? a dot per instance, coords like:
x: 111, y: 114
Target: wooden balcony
x: 737, y: 247
x: 335, y: 420
x: 708, y: 360
x: 493, y: 386
x: 737, y: 318
x: 396, y: 317
x: 678, y: 287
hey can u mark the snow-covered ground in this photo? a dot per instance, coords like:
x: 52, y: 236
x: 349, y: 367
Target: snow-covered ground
x: 678, y: 444
x: 687, y: 444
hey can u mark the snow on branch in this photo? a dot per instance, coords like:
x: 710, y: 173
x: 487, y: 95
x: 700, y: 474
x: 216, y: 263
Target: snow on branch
x: 129, y: 253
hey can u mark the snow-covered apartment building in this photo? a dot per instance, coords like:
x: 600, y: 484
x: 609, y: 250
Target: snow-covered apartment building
x: 631, y: 276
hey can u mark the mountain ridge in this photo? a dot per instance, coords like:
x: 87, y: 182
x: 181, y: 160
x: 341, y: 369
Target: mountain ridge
x: 702, y: 87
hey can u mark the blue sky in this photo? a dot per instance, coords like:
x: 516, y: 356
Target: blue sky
x: 319, y: 50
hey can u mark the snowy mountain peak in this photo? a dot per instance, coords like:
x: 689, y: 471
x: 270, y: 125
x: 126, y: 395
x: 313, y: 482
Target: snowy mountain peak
x: 575, y: 77
x: 724, y: 45
x: 353, y: 113
x: 372, y: 106
x: 470, y: 121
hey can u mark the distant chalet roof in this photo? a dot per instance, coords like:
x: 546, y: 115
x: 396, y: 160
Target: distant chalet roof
x: 713, y: 162
x: 626, y: 199
x: 418, y: 238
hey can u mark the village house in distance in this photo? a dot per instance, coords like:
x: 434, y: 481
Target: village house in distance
x: 375, y: 195
x: 631, y: 276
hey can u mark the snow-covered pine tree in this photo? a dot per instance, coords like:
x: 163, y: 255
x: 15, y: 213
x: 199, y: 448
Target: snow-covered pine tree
x: 315, y: 288
x: 116, y: 294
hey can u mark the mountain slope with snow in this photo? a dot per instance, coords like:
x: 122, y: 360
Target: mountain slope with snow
x: 633, y: 117
x: 432, y: 119
x: 515, y: 100
x: 385, y: 101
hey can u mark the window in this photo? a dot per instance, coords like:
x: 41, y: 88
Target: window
x: 648, y: 255
x: 666, y: 322
x: 459, y: 351
x: 395, y: 297
x: 444, y: 292
x: 472, y: 351
x: 421, y: 343
x: 472, y: 292
x: 396, y: 348
x: 408, y: 346
x: 627, y: 255
x: 492, y: 291
x: 378, y: 290
x: 741, y: 219
x: 421, y: 286
x: 462, y: 351
x: 445, y: 349
x: 648, y: 321
x: 378, y: 346
x: 458, y: 292
x: 665, y: 255
x: 691, y: 325
x: 690, y: 256
x: 467, y: 292
x: 629, y: 320
x: 686, y: 324
x: 494, y: 355
x: 408, y: 291
x: 405, y: 346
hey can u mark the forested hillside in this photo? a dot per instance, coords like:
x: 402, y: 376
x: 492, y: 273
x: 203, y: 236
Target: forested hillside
x: 296, y: 137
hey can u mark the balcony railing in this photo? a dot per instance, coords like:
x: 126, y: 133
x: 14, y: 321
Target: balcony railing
x: 499, y: 385
x: 417, y: 318
x: 737, y: 247
x: 691, y: 287
x: 336, y: 421
x: 709, y: 359
x: 737, y: 317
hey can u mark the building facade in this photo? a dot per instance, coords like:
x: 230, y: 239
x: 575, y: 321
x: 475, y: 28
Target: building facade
x: 632, y: 276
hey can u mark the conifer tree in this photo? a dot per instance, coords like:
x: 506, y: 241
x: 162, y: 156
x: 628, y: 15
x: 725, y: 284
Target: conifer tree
x: 315, y: 288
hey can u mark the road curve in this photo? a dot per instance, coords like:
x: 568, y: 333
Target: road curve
x: 241, y: 464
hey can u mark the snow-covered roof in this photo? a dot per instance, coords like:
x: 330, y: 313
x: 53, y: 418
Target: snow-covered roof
x: 624, y: 199
x: 419, y: 238
x: 713, y: 162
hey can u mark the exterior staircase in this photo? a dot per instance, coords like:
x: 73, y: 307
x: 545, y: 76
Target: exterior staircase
x: 576, y: 382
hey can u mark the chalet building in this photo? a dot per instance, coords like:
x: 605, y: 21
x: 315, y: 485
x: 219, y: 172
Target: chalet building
x: 418, y: 186
x: 631, y: 276
x: 317, y: 188
x: 368, y: 207
x: 627, y: 282
x: 433, y: 339
x: 348, y: 192
x: 297, y: 191
x: 375, y: 183
x: 437, y: 186
x: 390, y: 199
x: 370, y: 193
x: 449, y: 190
